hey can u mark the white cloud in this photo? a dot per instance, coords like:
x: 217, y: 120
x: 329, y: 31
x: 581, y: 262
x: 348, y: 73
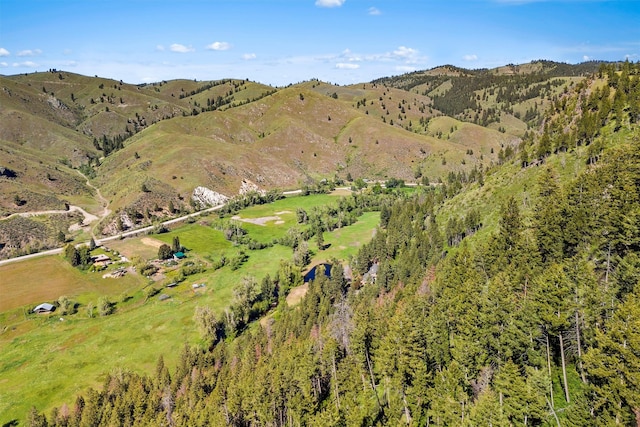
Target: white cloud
x: 586, y: 58
x: 160, y: 47
x: 405, y: 52
x: 347, y: 66
x: 472, y: 57
x: 329, y: 3
x: 3, y: 64
x: 374, y: 11
x: 248, y: 56
x: 350, y: 56
x: 67, y: 52
x: 218, y: 46
x: 402, y: 56
x: 4, y: 52
x: 29, y: 64
x: 29, y: 52
x: 405, y: 68
x: 180, y: 48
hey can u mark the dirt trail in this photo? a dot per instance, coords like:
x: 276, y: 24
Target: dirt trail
x: 104, y: 202
x: 88, y: 218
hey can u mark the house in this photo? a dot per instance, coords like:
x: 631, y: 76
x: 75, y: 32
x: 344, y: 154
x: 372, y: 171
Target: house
x: 45, y: 307
x: 371, y: 275
x: 179, y: 255
x: 100, y: 258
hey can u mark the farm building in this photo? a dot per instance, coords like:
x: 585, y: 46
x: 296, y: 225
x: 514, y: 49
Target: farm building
x: 45, y: 307
x: 100, y: 258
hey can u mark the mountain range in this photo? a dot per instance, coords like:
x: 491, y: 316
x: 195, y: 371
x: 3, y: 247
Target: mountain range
x: 147, y: 147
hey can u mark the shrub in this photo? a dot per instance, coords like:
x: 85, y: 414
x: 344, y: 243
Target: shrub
x: 105, y: 306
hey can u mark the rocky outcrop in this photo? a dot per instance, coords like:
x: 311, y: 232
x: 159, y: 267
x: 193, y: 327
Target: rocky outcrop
x: 205, y: 197
x: 250, y: 187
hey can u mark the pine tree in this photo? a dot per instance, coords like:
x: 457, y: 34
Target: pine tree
x: 320, y: 238
x: 554, y: 302
x: 164, y: 251
x: 549, y: 217
x: 613, y: 365
x: 510, y: 385
x: 510, y: 225
x: 176, y: 247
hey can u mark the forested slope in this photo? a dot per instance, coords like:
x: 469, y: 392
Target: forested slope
x: 534, y: 321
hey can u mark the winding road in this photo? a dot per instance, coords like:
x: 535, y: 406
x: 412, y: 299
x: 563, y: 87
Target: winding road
x: 107, y: 239
x: 106, y: 212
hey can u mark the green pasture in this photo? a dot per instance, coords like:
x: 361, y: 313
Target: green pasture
x: 284, y: 210
x: 34, y: 281
x: 45, y: 362
x: 198, y: 238
x: 345, y: 242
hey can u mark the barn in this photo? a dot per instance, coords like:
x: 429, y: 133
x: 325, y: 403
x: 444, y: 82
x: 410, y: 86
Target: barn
x: 45, y: 307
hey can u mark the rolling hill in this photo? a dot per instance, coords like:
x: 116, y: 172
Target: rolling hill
x: 509, y: 300
x: 147, y: 147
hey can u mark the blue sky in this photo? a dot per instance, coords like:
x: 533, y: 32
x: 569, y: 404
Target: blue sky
x: 287, y: 41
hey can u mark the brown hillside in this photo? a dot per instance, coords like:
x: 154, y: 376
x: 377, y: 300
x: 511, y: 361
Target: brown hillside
x: 280, y: 141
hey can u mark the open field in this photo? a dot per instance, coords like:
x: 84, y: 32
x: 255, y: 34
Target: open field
x: 45, y: 279
x: 198, y: 239
x: 296, y: 294
x: 345, y: 242
x: 59, y: 359
x: 284, y: 210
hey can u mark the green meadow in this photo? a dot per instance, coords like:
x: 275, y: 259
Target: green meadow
x: 46, y: 361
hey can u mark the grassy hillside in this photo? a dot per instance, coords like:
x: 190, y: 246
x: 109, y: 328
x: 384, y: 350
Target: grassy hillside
x: 94, y: 107
x: 285, y: 140
x: 148, y: 146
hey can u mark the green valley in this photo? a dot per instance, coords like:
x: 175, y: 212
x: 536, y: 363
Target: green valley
x: 479, y: 231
